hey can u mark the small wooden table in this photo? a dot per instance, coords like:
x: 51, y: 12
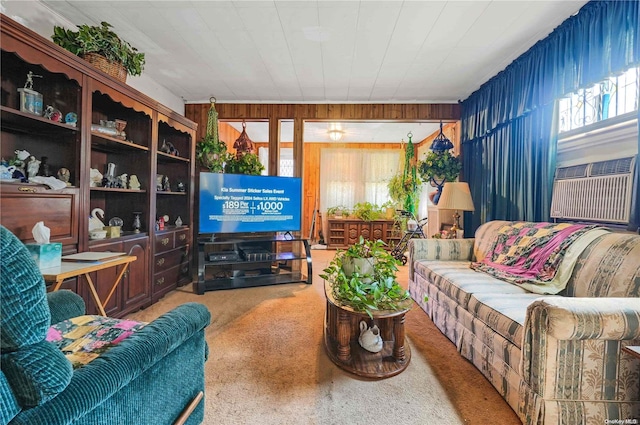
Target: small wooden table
x: 69, y: 269
x: 341, y: 332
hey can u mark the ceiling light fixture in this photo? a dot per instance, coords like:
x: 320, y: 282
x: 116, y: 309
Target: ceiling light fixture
x: 335, y: 132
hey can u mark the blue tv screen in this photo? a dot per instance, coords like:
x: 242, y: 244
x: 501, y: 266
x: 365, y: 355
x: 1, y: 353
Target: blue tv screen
x: 238, y: 203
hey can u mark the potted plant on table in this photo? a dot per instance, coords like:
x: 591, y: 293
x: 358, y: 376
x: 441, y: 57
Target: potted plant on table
x: 101, y: 47
x: 363, y: 277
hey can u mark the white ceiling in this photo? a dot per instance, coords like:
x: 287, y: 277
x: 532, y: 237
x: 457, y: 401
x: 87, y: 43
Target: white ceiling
x: 316, y: 51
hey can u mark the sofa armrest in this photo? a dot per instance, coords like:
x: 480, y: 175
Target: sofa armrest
x: 439, y: 249
x: 572, y: 348
x: 64, y: 305
x: 99, y: 380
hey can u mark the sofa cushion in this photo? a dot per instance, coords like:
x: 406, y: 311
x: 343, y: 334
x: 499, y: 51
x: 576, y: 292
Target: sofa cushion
x: 84, y: 338
x: 23, y: 296
x: 504, y: 313
x: 608, y: 267
x: 36, y: 370
x: 458, y: 281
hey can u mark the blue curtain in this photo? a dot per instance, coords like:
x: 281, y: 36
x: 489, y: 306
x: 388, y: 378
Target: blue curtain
x: 508, y: 125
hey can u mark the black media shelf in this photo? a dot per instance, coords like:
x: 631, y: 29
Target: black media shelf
x: 279, y: 260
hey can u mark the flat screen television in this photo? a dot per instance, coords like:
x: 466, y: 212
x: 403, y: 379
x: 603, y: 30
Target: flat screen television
x: 238, y: 203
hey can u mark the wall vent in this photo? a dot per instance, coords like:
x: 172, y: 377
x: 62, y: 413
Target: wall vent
x: 598, y: 191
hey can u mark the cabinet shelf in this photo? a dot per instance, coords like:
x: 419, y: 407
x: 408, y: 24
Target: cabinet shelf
x: 171, y: 193
x: 249, y: 281
x: 24, y: 122
x: 111, y: 189
x: 165, y: 157
x: 105, y: 143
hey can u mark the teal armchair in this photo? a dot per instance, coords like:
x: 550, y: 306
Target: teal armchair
x: 148, y: 378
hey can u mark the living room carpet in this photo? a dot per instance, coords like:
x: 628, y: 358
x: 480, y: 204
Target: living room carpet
x: 267, y: 365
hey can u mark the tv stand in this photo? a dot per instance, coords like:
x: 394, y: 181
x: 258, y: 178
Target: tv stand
x: 246, y: 261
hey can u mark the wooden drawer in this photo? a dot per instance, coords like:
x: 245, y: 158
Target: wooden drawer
x: 169, y: 259
x: 163, y: 242
x: 166, y: 278
x: 24, y: 205
x: 181, y: 238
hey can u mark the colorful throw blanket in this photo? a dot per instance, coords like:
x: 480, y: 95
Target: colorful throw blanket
x: 83, y: 338
x: 525, y: 252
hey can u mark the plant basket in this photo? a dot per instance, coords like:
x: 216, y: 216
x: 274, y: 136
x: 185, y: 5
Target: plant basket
x: 114, y: 69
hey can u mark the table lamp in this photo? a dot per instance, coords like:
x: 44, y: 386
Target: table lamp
x: 456, y: 196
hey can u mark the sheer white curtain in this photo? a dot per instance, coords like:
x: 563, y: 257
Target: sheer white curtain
x: 349, y: 176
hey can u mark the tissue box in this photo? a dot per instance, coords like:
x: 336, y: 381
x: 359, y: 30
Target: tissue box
x: 46, y: 255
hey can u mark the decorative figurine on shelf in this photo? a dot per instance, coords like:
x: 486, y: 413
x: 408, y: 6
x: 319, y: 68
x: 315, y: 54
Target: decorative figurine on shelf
x: 122, y: 178
x: 20, y: 161
x: 30, y: 100
x: 64, y: 175
x: 160, y: 224
x: 44, y: 167
x: 166, y: 187
x: 95, y: 177
x: 95, y: 219
x: 167, y: 147
x: 71, y: 119
x: 180, y: 187
x: 159, y: 178
x: 137, y: 225
x: 53, y: 114
x: 178, y: 222
x: 134, y: 183
x: 32, y: 167
x: 110, y: 179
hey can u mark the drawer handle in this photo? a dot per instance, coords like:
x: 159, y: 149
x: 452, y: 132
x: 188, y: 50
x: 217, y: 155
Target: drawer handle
x: 165, y: 241
x: 160, y: 281
x: 160, y: 261
x: 27, y: 189
x: 182, y: 237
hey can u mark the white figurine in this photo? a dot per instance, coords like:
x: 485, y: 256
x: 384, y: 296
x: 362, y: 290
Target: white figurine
x: 370, y: 338
x: 33, y: 166
x: 95, y: 178
x: 123, y: 180
x: 134, y: 183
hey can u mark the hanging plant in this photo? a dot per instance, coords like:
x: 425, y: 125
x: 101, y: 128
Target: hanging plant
x: 211, y: 152
x: 248, y: 163
x: 442, y: 166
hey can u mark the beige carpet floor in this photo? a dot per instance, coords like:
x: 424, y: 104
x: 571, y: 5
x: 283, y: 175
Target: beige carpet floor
x: 267, y: 365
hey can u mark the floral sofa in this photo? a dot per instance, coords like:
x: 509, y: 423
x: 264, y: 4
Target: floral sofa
x: 555, y: 358
x: 118, y: 371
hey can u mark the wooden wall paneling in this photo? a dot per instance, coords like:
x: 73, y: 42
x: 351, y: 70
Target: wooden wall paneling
x: 274, y: 146
x: 307, y: 156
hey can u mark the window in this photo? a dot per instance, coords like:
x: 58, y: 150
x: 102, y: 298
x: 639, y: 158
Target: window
x: 607, y: 99
x: 286, y: 161
x: 349, y: 176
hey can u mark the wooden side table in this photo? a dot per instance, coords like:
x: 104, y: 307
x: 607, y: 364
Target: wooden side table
x: 341, y: 332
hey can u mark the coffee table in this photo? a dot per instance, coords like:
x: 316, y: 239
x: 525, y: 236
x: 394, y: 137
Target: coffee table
x: 341, y: 332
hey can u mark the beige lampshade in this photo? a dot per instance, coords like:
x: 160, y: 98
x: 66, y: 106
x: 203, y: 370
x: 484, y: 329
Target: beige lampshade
x: 456, y: 196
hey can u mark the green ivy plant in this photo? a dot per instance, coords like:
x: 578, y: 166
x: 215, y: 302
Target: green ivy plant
x: 248, y: 163
x: 440, y: 166
x: 379, y: 290
x: 212, y: 154
x: 103, y: 41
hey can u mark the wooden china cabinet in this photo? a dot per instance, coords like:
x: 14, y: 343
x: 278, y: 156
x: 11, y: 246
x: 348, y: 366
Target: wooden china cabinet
x: 166, y: 176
